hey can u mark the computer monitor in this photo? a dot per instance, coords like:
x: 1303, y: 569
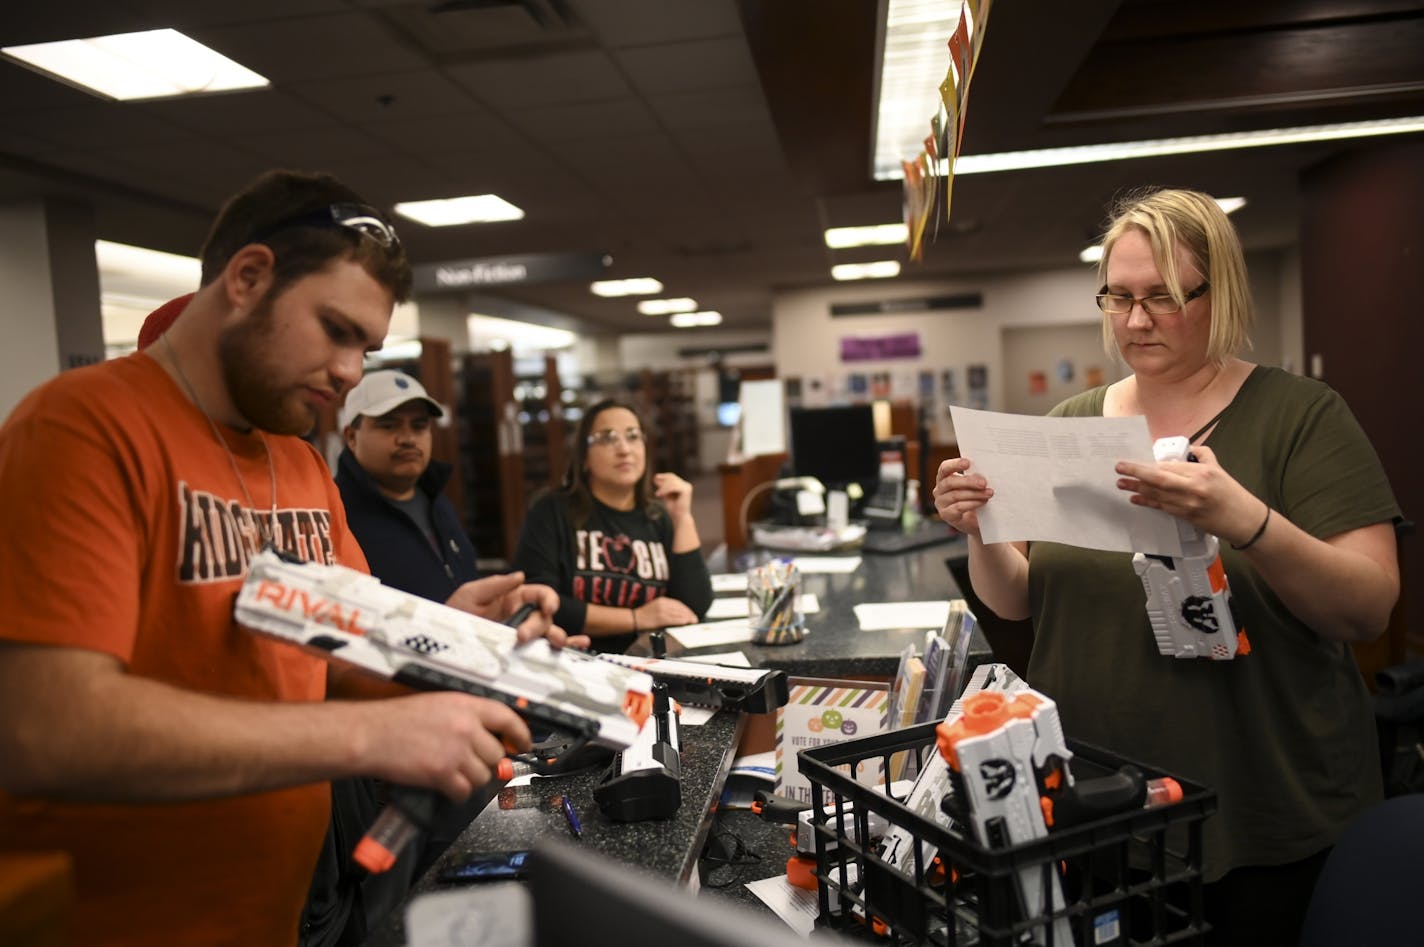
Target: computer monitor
x: 591, y: 900
x: 835, y: 445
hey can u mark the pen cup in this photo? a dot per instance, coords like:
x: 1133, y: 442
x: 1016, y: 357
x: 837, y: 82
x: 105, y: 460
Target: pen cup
x: 773, y: 596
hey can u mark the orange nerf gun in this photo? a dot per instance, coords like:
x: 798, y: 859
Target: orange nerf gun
x: 1188, y: 600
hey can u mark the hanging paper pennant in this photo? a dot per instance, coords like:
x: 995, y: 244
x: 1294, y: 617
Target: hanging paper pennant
x: 924, y: 186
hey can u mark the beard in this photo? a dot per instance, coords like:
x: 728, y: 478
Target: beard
x: 245, y: 354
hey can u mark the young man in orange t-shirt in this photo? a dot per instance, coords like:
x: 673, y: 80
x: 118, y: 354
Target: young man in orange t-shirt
x: 180, y: 760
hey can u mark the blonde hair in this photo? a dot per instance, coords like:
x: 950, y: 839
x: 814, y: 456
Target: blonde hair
x: 1192, y: 220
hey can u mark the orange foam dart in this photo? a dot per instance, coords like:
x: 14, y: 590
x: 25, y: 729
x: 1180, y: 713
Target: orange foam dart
x: 1243, y: 646
x: 504, y: 770
x: 637, y: 707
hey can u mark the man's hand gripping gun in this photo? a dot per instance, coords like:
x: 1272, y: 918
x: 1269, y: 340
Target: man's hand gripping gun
x: 1188, y: 600
x: 348, y: 616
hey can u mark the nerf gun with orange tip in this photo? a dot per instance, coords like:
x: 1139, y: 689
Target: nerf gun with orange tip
x: 1188, y: 600
x: 349, y: 616
x: 897, y: 848
x: 1005, y: 755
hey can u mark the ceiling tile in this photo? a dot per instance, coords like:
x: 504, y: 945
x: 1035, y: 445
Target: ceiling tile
x: 561, y: 123
x: 553, y: 79
x: 689, y: 67
x: 389, y: 97
x: 314, y: 47
x: 643, y: 22
x: 240, y: 113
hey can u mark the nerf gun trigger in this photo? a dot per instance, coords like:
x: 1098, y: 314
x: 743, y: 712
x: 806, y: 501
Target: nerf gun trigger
x: 775, y: 808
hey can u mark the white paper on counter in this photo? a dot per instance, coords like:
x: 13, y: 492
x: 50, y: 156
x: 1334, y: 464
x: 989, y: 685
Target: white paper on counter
x: 708, y: 633
x: 739, y: 607
x: 835, y: 565
x: 729, y: 582
x: 1053, y: 481
x: 884, y: 616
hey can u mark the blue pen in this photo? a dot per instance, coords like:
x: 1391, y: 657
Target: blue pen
x: 570, y: 816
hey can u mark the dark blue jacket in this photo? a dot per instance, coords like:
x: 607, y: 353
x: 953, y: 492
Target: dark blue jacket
x: 396, y: 550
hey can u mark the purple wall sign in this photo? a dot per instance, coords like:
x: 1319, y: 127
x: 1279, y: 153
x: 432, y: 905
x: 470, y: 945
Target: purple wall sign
x: 878, y: 348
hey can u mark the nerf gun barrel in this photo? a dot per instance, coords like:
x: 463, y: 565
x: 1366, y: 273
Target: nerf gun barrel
x: 1005, y: 754
x: 1188, y: 600
x: 750, y: 690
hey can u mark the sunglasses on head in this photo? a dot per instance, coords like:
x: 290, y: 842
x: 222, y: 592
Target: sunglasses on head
x: 361, y: 218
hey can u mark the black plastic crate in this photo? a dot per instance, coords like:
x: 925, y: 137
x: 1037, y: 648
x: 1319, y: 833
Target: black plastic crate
x: 1128, y: 879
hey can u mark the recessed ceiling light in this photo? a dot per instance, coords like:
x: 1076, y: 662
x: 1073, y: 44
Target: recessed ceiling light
x: 451, y: 211
x: 1195, y: 144
x: 688, y: 320
x: 666, y: 307
x: 637, y: 286
x: 492, y: 332
x: 878, y: 270
x: 152, y: 64
x: 875, y: 235
x: 1228, y: 205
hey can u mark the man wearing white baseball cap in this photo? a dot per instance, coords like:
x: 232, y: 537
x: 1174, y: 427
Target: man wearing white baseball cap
x: 394, y: 493
x: 396, y: 506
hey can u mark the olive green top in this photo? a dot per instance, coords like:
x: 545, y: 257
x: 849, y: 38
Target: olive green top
x: 1285, y: 734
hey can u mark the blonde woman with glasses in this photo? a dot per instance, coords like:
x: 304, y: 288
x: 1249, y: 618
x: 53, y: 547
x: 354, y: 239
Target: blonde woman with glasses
x: 1287, y: 480
x: 616, y: 541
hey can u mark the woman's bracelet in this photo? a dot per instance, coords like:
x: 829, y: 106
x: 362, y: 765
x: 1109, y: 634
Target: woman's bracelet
x: 634, y: 613
x: 1259, y: 533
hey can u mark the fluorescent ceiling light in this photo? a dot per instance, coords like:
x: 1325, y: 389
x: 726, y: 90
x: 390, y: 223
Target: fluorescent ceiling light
x: 495, y: 334
x: 876, y: 235
x: 638, y: 286
x: 1228, y: 205
x: 451, y: 211
x: 149, y: 65
x: 913, y: 61
x: 688, y: 320
x: 1195, y: 144
x: 666, y: 307
x: 879, y: 270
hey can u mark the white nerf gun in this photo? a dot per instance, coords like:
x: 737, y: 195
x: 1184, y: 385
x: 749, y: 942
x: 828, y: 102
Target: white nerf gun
x: 1006, y: 754
x: 1188, y: 601
x: 349, y: 616
x: 933, y: 783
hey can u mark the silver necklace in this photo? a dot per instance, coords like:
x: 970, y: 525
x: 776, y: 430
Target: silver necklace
x: 269, y: 535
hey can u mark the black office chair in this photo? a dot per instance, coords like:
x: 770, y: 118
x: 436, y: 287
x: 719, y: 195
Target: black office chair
x: 1399, y: 717
x: 1368, y: 891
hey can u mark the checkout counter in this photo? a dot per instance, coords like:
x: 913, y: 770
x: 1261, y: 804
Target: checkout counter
x: 835, y: 647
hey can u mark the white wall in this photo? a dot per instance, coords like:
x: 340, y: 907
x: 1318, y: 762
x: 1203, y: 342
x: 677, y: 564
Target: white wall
x: 806, y: 339
x: 30, y: 354
x: 659, y: 350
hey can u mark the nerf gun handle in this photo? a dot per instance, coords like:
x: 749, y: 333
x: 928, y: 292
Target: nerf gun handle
x: 410, y: 810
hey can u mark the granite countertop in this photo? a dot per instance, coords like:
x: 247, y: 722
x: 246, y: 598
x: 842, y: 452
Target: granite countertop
x: 835, y: 646
x: 519, y: 815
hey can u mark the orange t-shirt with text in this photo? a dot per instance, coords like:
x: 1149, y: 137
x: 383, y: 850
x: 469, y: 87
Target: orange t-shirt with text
x: 125, y: 531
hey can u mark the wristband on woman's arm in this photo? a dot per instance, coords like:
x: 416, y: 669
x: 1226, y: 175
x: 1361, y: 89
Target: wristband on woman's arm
x: 1258, y: 534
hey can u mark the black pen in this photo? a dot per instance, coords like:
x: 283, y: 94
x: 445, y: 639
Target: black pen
x: 521, y: 613
x: 571, y: 817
